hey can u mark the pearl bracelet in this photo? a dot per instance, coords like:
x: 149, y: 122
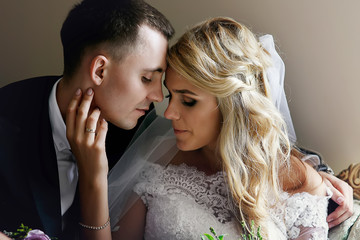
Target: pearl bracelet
x: 95, y: 228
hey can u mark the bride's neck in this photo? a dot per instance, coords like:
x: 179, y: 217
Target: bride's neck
x: 204, y: 159
x: 212, y: 158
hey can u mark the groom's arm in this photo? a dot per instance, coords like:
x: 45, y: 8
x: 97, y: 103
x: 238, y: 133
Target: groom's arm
x: 342, y: 192
x: 343, y: 196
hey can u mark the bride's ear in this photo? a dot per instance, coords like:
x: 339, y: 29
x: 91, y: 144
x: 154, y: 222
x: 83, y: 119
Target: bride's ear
x: 97, y: 69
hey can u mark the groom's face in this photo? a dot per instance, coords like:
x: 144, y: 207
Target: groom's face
x: 130, y: 85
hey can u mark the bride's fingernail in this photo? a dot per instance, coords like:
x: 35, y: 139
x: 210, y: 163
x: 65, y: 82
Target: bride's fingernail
x: 78, y: 92
x: 89, y: 92
x: 340, y: 200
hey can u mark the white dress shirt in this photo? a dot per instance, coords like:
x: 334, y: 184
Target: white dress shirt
x: 68, y: 174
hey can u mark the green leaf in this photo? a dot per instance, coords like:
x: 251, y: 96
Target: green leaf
x: 209, y: 236
x: 221, y: 237
x: 213, y: 231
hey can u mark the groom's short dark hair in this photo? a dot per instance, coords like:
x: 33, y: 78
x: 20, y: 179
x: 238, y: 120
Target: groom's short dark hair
x: 115, y: 22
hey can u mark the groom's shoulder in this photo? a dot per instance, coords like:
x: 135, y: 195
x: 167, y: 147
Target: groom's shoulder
x: 21, y: 98
x: 27, y: 90
x: 26, y: 85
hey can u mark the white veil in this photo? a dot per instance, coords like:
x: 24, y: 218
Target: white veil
x: 157, y: 143
x: 276, y: 75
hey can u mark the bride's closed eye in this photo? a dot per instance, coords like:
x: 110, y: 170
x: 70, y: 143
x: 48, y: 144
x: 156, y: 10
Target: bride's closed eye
x: 186, y: 101
x: 189, y: 102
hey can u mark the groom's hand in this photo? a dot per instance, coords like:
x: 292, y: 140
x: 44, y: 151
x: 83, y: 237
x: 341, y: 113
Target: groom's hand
x: 342, y: 195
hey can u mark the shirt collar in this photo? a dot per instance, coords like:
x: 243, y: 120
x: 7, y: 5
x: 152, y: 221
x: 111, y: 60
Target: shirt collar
x: 57, y: 123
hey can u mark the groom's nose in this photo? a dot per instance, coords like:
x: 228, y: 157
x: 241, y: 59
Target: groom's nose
x: 155, y: 94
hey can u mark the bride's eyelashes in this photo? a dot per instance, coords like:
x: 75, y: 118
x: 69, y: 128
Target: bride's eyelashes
x: 189, y: 102
x: 186, y: 101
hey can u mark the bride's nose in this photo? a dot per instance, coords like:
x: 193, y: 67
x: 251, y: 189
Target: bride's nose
x: 172, y: 112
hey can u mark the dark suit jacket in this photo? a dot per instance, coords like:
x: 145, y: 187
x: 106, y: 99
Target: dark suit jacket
x: 29, y: 181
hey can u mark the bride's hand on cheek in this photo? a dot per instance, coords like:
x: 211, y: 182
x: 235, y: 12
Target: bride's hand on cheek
x: 86, y: 133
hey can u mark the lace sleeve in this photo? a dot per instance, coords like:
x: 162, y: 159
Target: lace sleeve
x: 302, y: 215
x: 146, y: 183
x: 311, y: 233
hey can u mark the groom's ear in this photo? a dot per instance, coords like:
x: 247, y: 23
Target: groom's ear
x: 97, y: 69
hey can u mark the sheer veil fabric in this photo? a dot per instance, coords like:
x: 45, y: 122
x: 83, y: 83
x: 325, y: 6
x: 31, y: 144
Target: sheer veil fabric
x: 276, y: 76
x: 157, y: 144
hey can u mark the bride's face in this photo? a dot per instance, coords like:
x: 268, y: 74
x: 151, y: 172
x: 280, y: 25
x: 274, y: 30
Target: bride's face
x: 195, y: 115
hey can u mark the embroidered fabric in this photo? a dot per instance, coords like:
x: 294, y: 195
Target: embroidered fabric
x: 302, y: 215
x: 183, y: 203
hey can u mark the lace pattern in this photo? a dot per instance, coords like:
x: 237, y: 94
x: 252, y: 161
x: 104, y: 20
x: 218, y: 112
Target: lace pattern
x: 183, y: 203
x: 207, y: 191
x: 302, y: 215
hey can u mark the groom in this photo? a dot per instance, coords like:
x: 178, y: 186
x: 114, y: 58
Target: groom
x: 118, y: 49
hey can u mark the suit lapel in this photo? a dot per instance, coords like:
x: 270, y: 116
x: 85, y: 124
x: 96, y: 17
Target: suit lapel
x: 43, y: 176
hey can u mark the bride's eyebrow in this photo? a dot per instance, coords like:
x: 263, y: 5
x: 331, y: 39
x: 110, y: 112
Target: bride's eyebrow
x: 182, y: 91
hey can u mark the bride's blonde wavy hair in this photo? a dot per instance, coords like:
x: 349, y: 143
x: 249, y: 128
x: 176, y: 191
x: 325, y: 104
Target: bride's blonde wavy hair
x: 223, y: 57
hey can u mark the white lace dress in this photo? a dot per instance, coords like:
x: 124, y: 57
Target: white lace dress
x: 184, y: 203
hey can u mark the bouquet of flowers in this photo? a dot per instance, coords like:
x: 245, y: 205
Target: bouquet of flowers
x: 26, y: 233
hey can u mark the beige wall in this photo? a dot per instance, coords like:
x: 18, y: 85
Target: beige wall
x: 30, y: 38
x: 319, y: 42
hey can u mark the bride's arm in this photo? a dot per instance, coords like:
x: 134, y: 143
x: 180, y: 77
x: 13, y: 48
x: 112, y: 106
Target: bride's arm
x: 301, y: 177
x: 89, y: 150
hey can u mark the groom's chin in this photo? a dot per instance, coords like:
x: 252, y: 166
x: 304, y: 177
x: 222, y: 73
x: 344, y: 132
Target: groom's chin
x: 126, y: 123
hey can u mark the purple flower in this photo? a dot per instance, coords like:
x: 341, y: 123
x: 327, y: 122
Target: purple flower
x: 36, y: 235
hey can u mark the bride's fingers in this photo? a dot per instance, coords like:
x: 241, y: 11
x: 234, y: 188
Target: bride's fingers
x: 82, y: 113
x: 71, y: 114
x: 90, y: 127
x: 101, y: 134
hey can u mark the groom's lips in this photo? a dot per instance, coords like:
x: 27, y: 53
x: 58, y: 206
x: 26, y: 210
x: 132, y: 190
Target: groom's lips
x: 142, y: 110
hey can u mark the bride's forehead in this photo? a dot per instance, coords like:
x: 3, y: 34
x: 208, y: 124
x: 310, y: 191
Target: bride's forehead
x: 173, y: 78
x: 181, y: 85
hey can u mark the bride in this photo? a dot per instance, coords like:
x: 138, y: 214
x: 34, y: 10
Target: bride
x: 233, y: 162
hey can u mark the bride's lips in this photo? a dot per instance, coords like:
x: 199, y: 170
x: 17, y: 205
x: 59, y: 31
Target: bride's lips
x: 178, y: 131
